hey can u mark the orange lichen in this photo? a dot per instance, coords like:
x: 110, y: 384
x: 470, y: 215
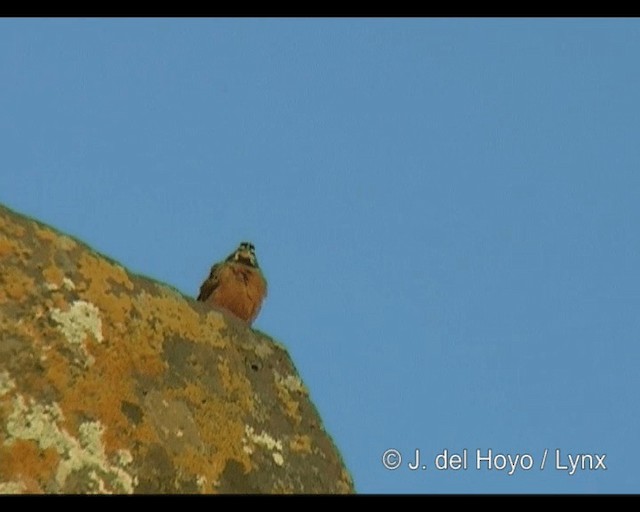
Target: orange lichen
x: 26, y: 458
x: 99, y: 392
x: 99, y: 276
x: 53, y: 275
x: 56, y: 300
x: 18, y: 285
x: 99, y: 272
x: 57, y: 372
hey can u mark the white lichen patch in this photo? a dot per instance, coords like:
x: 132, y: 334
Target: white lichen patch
x: 97, y: 484
x: 65, y: 243
x: 12, y: 487
x: 266, y: 441
x: 202, y: 482
x: 6, y: 383
x: 278, y: 458
x: 66, y: 283
x: 80, y: 319
x: 41, y: 423
x: 76, y: 323
x: 124, y: 457
x: 263, y: 350
x: 291, y: 383
x: 262, y: 439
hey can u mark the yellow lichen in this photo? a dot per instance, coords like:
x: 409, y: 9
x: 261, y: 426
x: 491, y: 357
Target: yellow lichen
x: 8, y: 247
x: 12, y: 488
x: 220, y: 430
x: 60, y: 241
x: 300, y: 443
x: 234, y: 384
x: 179, y: 319
x: 99, y: 277
x: 6, y: 382
x: 11, y: 227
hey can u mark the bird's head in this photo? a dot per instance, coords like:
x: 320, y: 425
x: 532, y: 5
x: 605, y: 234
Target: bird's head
x: 245, y: 254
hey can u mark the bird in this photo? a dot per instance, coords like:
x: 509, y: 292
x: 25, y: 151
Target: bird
x: 236, y: 284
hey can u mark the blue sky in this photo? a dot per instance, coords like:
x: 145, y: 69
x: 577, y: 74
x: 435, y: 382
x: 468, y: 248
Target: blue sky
x: 446, y: 211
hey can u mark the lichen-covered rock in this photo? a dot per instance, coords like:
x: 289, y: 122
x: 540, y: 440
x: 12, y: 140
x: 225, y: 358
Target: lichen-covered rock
x: 114, y: 383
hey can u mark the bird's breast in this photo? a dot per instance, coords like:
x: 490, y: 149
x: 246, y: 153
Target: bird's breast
x: 241, y: 291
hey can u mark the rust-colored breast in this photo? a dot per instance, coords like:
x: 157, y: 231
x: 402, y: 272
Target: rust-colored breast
x: 238, y: 288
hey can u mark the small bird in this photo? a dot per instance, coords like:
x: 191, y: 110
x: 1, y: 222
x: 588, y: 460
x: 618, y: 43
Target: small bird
x: 236, y: 284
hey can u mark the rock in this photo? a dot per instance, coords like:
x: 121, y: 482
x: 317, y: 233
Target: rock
x: 114, y: 383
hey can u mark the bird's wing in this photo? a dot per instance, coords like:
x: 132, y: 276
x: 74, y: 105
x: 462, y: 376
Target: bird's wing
x: 211, y: 283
